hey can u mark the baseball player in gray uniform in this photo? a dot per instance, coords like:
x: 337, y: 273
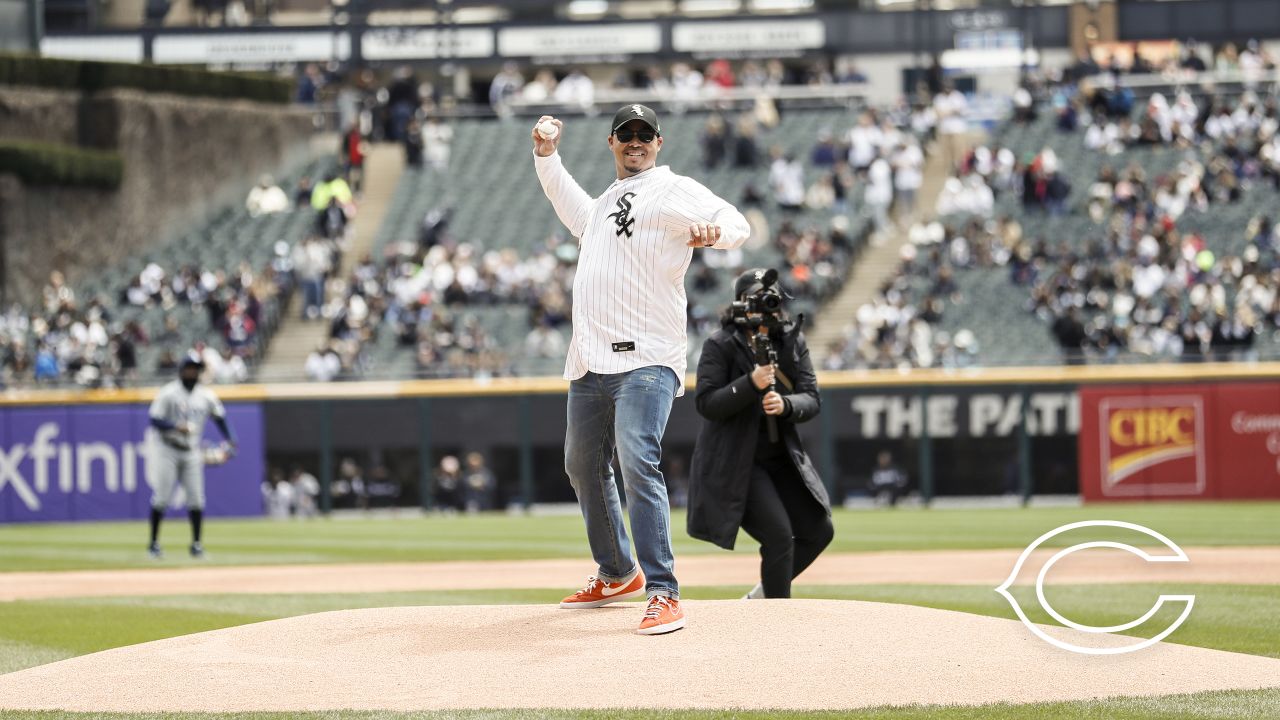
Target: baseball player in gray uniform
x: 178, y: 415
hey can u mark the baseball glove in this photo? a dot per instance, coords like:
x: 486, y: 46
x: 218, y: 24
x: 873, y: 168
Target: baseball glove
x: 218, y: 454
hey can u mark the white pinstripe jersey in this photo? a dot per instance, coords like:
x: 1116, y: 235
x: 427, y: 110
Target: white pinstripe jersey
x: 629, y: 303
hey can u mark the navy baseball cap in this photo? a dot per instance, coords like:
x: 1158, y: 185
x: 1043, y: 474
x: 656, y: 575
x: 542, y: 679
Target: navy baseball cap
x: 192, y: 359
x: 636, y: 111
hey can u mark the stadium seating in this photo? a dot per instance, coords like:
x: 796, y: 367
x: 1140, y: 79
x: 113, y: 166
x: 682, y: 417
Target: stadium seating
x: 231, y: 238
x: 996, y: 310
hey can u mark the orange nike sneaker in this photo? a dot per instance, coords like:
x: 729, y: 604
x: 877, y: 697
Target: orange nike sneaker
x: 599, y: 593
x: 662, y: 616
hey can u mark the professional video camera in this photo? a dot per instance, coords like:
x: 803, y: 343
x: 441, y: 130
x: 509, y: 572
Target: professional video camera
x: 761, y: 305
x: 765, y: 303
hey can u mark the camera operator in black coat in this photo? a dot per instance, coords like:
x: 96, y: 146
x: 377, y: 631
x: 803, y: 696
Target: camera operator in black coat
x: 740, y: 478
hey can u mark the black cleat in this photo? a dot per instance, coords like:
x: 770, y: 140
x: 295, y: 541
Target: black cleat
x: 155, y: 552
x: 197, y: 551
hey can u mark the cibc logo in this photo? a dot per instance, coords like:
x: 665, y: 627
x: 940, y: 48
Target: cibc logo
x: 1142, y: 433
x: 1177, y: 556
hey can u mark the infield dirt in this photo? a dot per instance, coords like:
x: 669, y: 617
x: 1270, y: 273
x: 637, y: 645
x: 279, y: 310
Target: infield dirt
x: 1230, y: 565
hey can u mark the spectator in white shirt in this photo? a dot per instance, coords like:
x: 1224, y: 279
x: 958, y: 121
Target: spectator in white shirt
x: 952, y: 109
x: 879, y: 192
x: 506, y: 85
x: 864, y: 141
x: 543, y: 341
x: 541, y: 89
x: 908, y: 176
x: 231, y: 370
x: 322, y: 365
x: 576, y: 90
x: 437, y: 143
x: 786, y: 178
x: 266, y: 198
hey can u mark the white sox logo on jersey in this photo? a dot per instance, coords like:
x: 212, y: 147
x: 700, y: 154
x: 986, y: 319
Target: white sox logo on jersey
x: 622, y: 219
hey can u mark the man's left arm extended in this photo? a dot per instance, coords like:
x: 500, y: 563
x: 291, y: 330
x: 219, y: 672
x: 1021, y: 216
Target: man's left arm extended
x: 703, y: 218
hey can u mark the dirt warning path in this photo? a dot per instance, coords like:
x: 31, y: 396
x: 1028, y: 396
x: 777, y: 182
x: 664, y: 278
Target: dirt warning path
x: 1240, y: 565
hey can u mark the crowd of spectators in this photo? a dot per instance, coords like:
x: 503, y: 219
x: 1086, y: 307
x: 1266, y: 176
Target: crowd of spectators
x: 230, y: 13
x: 679, y: 82
x: 1164, y: 296
x: 292, y: 495
x: 1138, y: 284
x: 91, y: 344
x: 1142, y: 285
x: 458, y: 485
x: 464, y: 486
x: 100, y: 341
x: 1187, y: 61
x: 67, y: 340
x: 420, y: 295
x: 815, y: 261
x: 896, y: 329
x: 876, y: 164
x: 878, y: 161
x: 297, y: 494
x: 400, y: 106
x: 985, y: 174
x: 1228, y: 145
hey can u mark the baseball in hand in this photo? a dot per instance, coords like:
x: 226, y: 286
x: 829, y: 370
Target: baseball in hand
x: 548, y: 129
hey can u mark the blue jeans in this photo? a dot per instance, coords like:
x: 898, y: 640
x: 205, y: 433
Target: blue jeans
x: 627, y: 412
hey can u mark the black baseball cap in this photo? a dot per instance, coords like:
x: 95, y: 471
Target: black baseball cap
x: 192, y: 359
x: 636, y: 111
x: 749, y: 283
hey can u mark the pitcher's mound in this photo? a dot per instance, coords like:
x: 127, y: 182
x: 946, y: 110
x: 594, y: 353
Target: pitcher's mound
x: 800, y: 654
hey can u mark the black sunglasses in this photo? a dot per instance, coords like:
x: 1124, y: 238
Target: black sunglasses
x: 646, y: 136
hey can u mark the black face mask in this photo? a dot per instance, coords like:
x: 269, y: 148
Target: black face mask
x: 190, y: 383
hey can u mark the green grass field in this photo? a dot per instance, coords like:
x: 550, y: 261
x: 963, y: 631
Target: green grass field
x: 1240, y: 618
x: 503, y: 537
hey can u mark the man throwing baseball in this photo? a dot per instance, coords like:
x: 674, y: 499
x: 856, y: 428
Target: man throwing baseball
x: 626, y: 360
x: 178, y: 415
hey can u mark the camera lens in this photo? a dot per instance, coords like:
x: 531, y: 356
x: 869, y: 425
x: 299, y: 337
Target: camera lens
x: 771, y: 302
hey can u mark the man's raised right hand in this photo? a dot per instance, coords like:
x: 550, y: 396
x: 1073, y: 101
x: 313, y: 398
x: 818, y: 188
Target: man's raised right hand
x: 544, y: 147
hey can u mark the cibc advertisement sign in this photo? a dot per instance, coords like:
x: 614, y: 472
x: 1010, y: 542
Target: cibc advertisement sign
x: 1180, y: 441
